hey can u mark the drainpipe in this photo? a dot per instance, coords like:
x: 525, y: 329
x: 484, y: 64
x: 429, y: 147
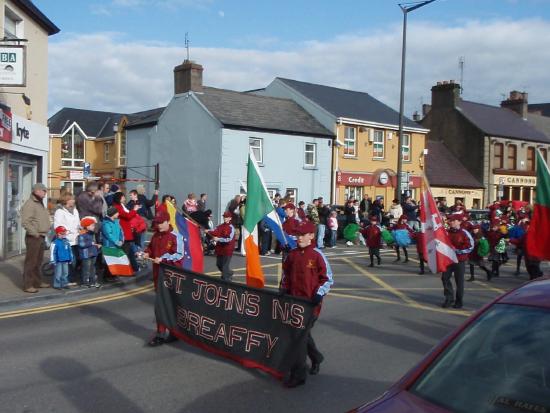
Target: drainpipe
x: 335, y: 151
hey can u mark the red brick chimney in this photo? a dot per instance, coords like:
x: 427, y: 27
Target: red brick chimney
x: 188, y: 77
x: 516, y: 102
x: 445, y: 95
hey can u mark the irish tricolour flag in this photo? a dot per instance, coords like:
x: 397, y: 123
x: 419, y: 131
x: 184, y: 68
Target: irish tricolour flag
x: 258, y: 205
x: 538, y: 235
x: 117, y: 261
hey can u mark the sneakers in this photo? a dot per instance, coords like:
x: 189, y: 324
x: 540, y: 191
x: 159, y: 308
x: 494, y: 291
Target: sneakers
x: 31, y: 290
x: 72, y: 284
x: 96, y: 285
x: 447, y: 303
x: 349, y: 243
x: 294, y: 382
x: 457, y: 305
x: 156, y: 341
x: 44, y: 285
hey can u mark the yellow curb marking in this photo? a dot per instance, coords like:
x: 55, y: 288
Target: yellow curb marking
x: 489, y: 287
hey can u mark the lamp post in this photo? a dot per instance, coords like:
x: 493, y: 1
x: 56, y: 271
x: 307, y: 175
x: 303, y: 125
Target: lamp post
x: 405, y: 8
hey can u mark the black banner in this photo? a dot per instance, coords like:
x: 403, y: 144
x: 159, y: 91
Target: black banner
x: 258, y: 328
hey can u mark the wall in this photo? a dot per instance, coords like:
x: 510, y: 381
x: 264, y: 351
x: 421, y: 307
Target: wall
x: 452, y: 193
x: 37, y: 69
x: 138, y: 153
x: 283, y: 164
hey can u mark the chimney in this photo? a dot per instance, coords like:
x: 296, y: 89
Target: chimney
x: 426, y: 109
x: 516, y: 102
x: 445, y: 95
x: 188, y: 77
x: 416, y: 116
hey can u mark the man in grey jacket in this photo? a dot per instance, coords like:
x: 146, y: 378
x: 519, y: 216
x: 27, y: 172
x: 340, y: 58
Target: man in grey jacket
x: 36, y: 221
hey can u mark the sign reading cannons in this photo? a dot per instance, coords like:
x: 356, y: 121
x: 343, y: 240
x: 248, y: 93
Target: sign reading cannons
x: 258, y: 328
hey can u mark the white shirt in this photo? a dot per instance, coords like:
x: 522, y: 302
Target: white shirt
x: 71, y: 221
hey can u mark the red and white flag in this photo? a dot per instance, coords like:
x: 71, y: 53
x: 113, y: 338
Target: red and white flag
x: 437, y: 248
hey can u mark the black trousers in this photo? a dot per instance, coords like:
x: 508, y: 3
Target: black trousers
x: 458, y: 270
x: 299, y: 369
x: 421, y: 261
x: 399, y: 254
x: 127, y: 248
x: 222, y: 262
x: 374, y: 252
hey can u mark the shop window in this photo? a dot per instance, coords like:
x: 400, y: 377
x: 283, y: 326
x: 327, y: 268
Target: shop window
x: 498, y: 157
x: 355, y: 192
x: 476, y: 203
x: 406, y: 147
x: 530, y: 158
x: 292, y: 195
x: 378, y: 144
x: 350, y: 142
x: 72, y: 149
x: 122, y: 149
x: 107, y: 151
x: 310, y: 155
x: 512, y: 155
x: 544, y: 154
x: 255, y: 145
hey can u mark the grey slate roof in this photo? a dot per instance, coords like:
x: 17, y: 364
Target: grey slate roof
x: 443, y: 169
x: 542, y: 123
x: 92, y: 122
x: 348, y: 103
x: 248, y: 111
x: 497, y: 121
x: 144, y: 118
x: 544, y: 108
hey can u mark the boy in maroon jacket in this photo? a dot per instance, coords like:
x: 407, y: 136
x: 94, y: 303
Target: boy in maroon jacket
x: 373, y: 238
x: 307, y: 274
x: 463, y: 244
x: 224, y: 236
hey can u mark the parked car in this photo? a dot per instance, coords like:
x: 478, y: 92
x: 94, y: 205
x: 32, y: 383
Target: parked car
x: 498, y: 361
x: 479, y: 216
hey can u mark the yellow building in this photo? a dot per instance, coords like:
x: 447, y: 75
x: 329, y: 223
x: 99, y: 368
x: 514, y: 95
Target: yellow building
x: 366, y: 146
x: 79, y: 137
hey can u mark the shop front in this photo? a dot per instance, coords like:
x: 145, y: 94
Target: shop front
x: 23, y: 162
x: 378, y: 184
x: 514, y: 188
x: 471, y: 198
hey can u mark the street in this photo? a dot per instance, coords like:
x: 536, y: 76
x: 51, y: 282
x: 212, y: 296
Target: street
x: 90, y: 355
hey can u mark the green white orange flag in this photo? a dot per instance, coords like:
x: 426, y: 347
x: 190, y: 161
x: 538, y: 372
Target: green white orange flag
x: 538, y: 235
x: 258, y: 205
x: 117, y: 261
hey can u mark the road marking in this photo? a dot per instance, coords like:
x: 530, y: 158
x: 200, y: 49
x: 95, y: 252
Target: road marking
x: 383, y: 284
x: 80, y: 303
x: 279, y: 273
x: 490, y: 287
x: 463, y: 313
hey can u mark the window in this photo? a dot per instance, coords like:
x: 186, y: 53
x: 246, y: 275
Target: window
x: 122, y: 149
x: 378, y: 147
x: 544, y: 154
x: 292, y: 195
x: 271, y: 192
x: 74, y: 187
x: 406, y: 145
x: 309, y: 158
x: 350, y: 142
x: 512, y: 152
x: 107, y: 151
x: 498, y: 156
x: 12, y: 25
x: 530, y: 158
x: 255, y: 145
x: 72, y: 149
x: 355, y: 192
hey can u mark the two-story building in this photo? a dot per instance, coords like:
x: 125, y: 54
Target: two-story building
x: 23, y: 113
x: 79, y: 136
x: 366, y: 150
x: 203, y: 137
x: 496, y: 144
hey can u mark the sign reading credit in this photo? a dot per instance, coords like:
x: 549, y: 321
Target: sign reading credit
x: 12, y: 66
x: 258, y: 328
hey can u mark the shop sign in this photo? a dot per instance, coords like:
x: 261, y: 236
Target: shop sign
x: 515, y: 180
x: 384, y: 178
x: 348, y: 179
x: 12, y: 66
x: 76, y: 175
x: 5, y: 124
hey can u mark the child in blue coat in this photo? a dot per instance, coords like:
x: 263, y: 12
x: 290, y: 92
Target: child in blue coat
x: 88, y: 251
x: 61, y: 256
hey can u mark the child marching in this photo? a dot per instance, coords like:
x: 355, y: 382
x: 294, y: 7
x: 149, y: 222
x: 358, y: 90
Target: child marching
x: 373, y: 238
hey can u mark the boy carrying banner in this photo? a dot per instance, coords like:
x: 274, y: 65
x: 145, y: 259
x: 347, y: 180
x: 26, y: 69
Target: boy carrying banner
x: 307, y: 274
x: 166, y: 245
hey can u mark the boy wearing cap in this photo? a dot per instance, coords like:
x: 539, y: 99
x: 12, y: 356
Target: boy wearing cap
x: 463, y: 245
x: 166, y: 246
x: 373, y: 238
x: 306, y: 273
x: 88, y: 251
x: 61, y: 256
x: 224, y: 236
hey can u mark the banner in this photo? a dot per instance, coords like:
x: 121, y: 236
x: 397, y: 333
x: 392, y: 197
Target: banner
x: 256, y: 327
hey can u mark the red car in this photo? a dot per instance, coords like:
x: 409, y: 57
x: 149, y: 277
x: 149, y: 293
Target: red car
x: 498, y: 361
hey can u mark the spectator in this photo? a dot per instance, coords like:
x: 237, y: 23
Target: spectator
x: 332, y: 224
x: 36, y: 222
x: 201, y: 203
x: 67, y: 216
x: 410, y: 211
x: 112, y: 237
x: 365, y: 205
x: 313, y: 212
x: 349, y: 212
x: 190, y: 204
x: 89, y: 203
x: 61, y: 256
x: 301, y: 211
x: 146, y: 204
x: 324, y: 212
x: 442, y: 207
x: 396, y: 210
x: 113, y: 189
x: 88, y: 251
x: 125, y: 217
x: 102, y: 191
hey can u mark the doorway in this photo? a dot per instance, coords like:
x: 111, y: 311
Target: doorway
x: 20, y: 179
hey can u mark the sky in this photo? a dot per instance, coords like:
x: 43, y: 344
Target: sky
x: 119, y: 55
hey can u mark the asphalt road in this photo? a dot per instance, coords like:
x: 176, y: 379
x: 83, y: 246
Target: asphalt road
x: 90, y: 356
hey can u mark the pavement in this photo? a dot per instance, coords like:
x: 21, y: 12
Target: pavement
x: 89, y: 354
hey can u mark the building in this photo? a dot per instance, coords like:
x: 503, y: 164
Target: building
x: 365, y: 154
x: 449, y: 179
x: 203, y: 137
x: 496, y: 144
x: 24, y: 108
x: 79, y: 136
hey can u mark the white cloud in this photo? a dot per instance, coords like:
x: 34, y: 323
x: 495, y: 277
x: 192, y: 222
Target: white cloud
x: 221, y: 13
x: 106, y: 72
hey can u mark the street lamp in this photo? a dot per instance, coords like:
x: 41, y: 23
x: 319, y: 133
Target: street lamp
x: 405, y: 8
